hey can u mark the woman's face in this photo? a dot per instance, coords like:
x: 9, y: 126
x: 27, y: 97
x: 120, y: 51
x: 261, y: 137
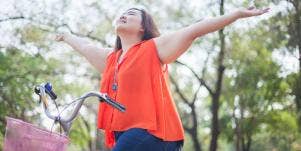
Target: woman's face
x: 130, y: 22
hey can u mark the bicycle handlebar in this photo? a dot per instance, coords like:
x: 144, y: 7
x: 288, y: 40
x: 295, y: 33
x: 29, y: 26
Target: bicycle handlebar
x: 43, y: 89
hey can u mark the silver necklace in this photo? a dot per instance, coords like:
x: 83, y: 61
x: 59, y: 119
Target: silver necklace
x: 114, y: 85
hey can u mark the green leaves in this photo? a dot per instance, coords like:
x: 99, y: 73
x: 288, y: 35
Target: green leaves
x: 19, y: 73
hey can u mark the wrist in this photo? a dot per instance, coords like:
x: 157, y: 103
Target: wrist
x: 237, y: 14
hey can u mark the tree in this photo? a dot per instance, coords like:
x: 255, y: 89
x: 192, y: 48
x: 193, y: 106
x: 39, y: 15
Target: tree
x: 254, y: 89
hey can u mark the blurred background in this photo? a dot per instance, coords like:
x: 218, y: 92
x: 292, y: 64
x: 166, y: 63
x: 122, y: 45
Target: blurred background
x: 238, y: 89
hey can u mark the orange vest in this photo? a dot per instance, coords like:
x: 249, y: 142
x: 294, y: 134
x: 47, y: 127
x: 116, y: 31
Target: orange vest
x: 143, y: 90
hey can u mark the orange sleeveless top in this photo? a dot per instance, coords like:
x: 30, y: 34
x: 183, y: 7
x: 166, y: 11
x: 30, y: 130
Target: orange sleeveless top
x: 143, y: 90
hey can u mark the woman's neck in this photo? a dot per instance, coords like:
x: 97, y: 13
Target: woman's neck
x: 128, y: 41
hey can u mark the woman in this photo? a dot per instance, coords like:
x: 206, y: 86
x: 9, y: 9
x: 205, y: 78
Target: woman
x: 134, y: 74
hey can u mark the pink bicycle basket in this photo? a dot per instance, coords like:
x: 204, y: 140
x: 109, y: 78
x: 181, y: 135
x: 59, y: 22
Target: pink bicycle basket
x: 22, y: 136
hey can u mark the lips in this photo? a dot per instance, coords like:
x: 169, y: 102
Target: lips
x: 123, y: 20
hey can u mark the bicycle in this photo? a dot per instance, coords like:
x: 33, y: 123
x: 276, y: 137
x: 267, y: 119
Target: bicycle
x: 23, y: 136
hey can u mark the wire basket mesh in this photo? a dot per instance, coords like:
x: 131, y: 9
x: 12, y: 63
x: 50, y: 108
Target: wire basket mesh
x: 23, y: 136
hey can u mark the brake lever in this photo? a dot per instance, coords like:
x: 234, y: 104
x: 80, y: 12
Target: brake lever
x: 37, y: 91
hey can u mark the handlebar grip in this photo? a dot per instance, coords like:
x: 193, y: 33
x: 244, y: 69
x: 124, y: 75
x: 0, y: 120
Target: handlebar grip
x: 48, y: 90
x: 113, y: 103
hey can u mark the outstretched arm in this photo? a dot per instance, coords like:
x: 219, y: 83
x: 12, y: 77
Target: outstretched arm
x: 96, y: 56
x: 172, y: 45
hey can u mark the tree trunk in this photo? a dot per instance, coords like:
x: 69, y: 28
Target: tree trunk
x: 215, y: 124
x: 215, y: 98
x: 193, y: 130
x: 297, y: 22
x: 194, y: 135
x: 249, y: 141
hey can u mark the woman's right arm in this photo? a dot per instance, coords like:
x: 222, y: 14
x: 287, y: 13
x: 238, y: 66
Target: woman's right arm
x: 95, y: 55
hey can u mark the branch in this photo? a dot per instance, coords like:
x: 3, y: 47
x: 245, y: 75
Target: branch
x: 177, y: 89
x: 202, y: 81
x: 52, y: 28
x: 12, y: 18
x: 88, y: 35
x: 195, y: 94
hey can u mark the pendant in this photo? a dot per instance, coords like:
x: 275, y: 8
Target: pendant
x: 114, y: 86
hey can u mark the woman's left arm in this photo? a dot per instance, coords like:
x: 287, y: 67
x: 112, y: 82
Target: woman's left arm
x: 172, y: 45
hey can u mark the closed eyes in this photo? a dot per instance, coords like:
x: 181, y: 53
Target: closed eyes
x: 130, y: 13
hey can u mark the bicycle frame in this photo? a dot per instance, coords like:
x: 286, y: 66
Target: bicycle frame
x: 42, y: 90
x: 23, y: 136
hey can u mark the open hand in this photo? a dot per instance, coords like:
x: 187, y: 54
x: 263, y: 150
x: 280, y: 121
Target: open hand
x: 251, y: 11
x: 60, y: 37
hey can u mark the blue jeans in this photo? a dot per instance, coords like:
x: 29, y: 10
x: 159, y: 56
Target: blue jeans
x: 137, y: 139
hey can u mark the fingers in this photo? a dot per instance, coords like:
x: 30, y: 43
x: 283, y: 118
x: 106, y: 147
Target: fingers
x: 262, y: 11
x: 266, y: 10
x: 59, y: 37
x: 256, y: 12
x: 252, y: 11
x: 252, y: 7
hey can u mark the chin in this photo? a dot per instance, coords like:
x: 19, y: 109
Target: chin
x: 124, y: 29
x: 119, y: 29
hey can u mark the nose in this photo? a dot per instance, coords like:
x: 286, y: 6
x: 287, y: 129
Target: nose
x: 122, y: 17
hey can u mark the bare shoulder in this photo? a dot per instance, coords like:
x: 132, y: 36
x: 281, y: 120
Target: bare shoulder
x: 171, y: 45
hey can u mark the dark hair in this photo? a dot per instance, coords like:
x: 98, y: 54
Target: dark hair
x: 148, y: 25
